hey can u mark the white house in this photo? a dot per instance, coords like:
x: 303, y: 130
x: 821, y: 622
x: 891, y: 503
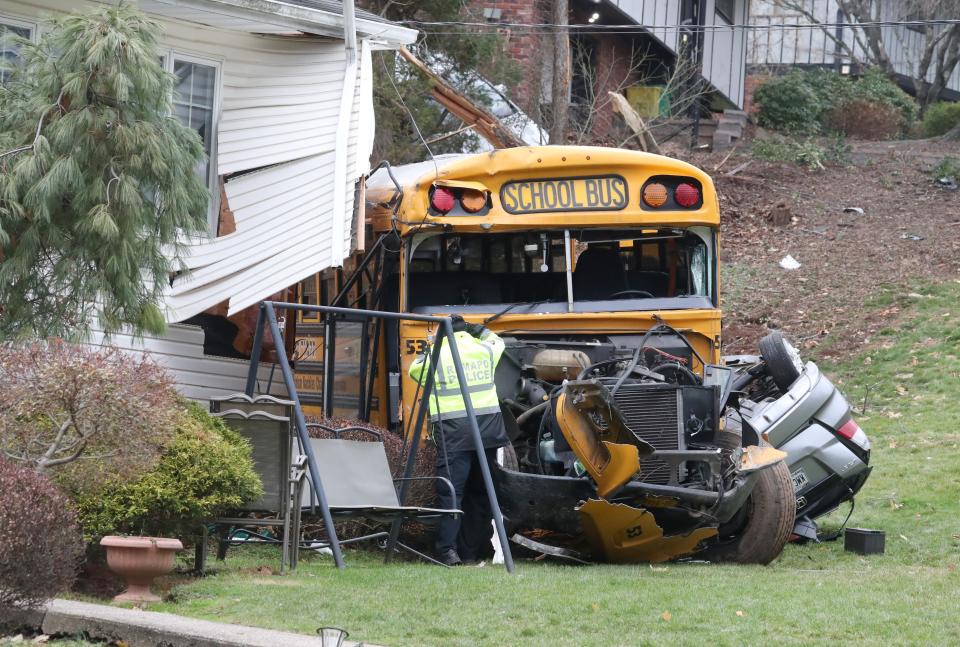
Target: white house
x: 777, y: 42
x: 280, y: 92
x: 724, y: 37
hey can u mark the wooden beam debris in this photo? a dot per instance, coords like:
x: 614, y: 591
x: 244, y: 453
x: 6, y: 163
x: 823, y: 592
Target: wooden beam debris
x: 634, y: 122
x: 486, y: 124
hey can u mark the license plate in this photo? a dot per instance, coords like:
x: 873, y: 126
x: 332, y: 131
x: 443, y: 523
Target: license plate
x: 799, y: 480
x: 596, y: 193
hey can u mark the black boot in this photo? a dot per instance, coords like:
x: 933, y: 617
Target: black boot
x: 449, y: 558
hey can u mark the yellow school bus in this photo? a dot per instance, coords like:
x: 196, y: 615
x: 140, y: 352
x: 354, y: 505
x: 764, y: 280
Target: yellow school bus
x: 574, y: 241
x: 599, y: 269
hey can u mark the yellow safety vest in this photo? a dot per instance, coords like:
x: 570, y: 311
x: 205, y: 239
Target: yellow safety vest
x: 479, y: 357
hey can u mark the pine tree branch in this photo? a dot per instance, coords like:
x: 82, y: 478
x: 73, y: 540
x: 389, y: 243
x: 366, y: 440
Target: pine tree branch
x: 36, y: 135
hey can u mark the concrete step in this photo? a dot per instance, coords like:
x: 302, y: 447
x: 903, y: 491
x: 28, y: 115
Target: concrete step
x: 738, y: 116
x: 138, y: 628
x: 733, y: 128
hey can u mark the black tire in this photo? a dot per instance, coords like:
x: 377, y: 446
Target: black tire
x: 760, y: 530
x: 781, y: 359
x: 728, y: 438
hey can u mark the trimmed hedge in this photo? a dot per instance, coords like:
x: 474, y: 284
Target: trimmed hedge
x: 40, y: 544
x: 206, y: 471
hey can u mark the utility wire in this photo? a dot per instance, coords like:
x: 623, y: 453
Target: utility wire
x: 688, y: 27
x: 386, y: 70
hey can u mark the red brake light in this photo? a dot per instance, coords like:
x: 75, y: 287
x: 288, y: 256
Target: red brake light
x: 849, y: 429
x: 442, y: 199
x: 686, y: 195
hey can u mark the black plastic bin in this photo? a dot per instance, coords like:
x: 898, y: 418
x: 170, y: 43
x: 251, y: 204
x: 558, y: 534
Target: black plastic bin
x: 864, y: 541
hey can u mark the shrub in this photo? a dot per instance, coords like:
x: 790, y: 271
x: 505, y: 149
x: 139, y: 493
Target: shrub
x: 948, y: 167
x: 940, y: 118
x: 205, y: 471
x: 831, y: 88
x: 806, y: 101
x: 788, y: 103
x: 875, y: 86
x: 40, y: 545
x: 62, y: 402
x: 864, y: 119
x: 805, y: 153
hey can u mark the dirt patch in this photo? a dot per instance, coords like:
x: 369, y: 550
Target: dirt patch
x: 908, y: 232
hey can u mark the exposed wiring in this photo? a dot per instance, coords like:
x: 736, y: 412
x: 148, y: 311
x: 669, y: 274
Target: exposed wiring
x: 833, y: 536
x: 627, y: 371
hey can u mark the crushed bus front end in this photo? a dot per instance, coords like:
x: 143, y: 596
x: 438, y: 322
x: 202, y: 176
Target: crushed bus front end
x: 599, y: 268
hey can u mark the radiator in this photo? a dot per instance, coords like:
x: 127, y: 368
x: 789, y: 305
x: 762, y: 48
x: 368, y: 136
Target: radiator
x: 653, y: 413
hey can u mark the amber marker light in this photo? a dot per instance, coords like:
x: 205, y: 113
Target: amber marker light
x: 654, y: 195
x: 473, y: 200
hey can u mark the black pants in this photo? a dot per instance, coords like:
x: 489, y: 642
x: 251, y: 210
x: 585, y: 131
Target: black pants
x: 470, y: 533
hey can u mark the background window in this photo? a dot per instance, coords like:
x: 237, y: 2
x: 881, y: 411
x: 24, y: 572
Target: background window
x: 193, y: 103
x: 727, y: 9
x: 8, y: 51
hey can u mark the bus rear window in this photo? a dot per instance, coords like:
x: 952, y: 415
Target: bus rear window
x: 527, y: 267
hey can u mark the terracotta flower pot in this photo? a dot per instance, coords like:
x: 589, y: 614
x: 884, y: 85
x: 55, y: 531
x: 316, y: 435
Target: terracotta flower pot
x: 138, y: 560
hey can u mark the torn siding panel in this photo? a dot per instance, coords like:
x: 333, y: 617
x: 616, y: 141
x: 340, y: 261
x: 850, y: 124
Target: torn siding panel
x: 285, y: 213
x: 279, y: 104
x: 266, y: 205
x: 284, y: 223
x: 196, y: 376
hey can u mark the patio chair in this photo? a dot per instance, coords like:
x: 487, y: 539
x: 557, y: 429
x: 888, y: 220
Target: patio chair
x: 264, y: 421
x: 357, y: 482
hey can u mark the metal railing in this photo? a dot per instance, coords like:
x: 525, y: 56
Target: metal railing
x: 268, y: 318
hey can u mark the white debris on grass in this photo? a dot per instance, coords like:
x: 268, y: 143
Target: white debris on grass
x: 788, y: 262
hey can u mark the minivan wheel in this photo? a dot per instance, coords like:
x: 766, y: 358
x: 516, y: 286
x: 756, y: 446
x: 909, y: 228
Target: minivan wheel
x: 782, y: 359
x: 759, y: 531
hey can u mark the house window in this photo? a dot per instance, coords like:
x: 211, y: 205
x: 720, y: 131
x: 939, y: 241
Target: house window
x: 8, y: 50
x: 727, y: 9
x: 196, y: 97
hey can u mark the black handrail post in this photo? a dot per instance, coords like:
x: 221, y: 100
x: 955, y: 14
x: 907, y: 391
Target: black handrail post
x: 329, y: 362
x: 302, y: 432
x: 478, y: 445
x: 415, y: 442
x: 255, y: 351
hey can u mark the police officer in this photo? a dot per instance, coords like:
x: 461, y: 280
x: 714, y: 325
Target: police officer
x: 462, y: 539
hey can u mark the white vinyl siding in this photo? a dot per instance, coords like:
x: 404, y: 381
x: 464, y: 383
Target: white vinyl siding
x: 279, y: 104
x: 196, y: 376
x: 275, y: 126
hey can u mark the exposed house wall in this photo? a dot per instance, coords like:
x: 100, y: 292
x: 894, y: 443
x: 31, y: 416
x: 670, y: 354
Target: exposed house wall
x: 197, y: 376
x: 529, y: 50
x: 284, y: 212
x: 773, y: 46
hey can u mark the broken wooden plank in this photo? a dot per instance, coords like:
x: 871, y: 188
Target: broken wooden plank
x: 634, y: 122
x: 486, y: 124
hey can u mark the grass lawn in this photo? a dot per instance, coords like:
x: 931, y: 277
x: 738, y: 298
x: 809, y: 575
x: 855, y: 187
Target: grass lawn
x: 813, y: 594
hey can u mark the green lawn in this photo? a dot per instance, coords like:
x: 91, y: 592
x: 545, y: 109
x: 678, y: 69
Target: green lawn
x: 814, y: 594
